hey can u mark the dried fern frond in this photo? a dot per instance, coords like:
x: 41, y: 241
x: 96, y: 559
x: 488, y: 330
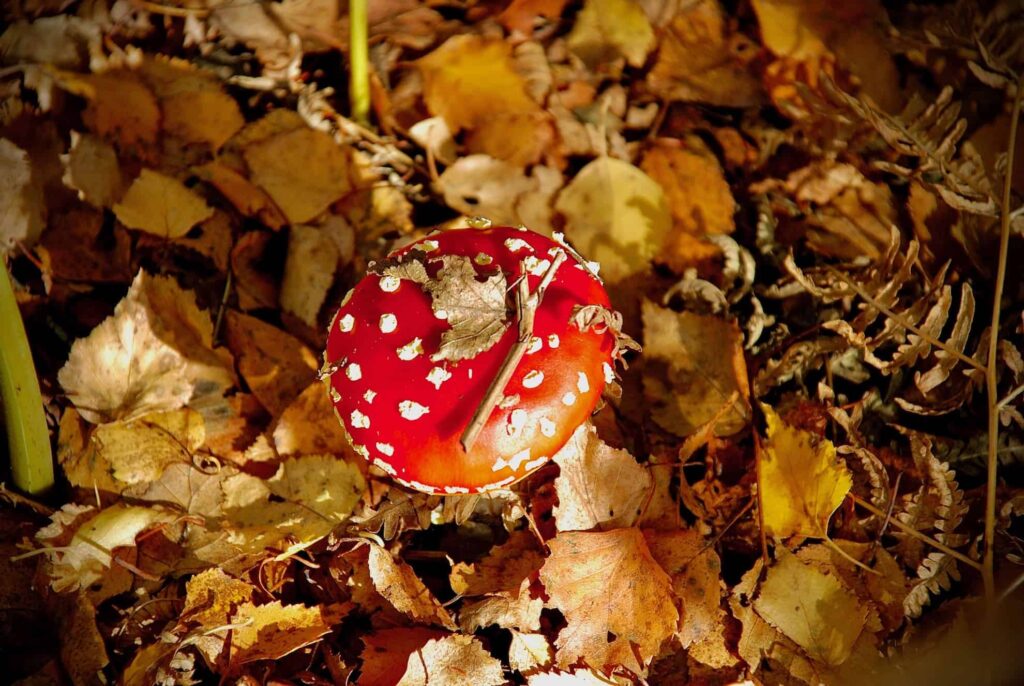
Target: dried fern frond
x: 930, y: 132
x: 936, y: 573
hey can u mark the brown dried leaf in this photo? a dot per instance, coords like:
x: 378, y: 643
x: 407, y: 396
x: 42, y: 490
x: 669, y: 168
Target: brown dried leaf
x: 22, y: 218
x: 92, y: 168
x: 247, y: 198
x: 161, y: 205
x: 694, y: 363
x: 608, y: 583
x: 477, y: 312
x: 396, y: 581
x: 606, y: 30
x: 452, y: 661
x: 308, y: 272
x: 386, y: 653
x: 271, y: 631
x: 122, y: 109
x: 599, y: 487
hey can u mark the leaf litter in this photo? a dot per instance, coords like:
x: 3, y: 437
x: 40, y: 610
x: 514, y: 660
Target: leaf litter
x: 794, y: 206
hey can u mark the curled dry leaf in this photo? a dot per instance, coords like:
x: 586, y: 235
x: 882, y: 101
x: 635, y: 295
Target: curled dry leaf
x: 800, y: 479
x: 247, y: 197
x: 154, y: 353
x: 452, y: 661
x: 813, y: 609
x: 211, y: 599
x: 617, y: 215
x: 606, y: 30
x: 477, y: 311
x: 599, y: 487
x: 161, y: 205
x: 608, y: 584
x: 694, y: 365
x: 396, y: 581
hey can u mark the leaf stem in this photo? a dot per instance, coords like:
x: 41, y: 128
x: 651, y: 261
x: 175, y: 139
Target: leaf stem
x: 358, y: 59
x: 526, y: 311
x: 902, y: 321
x: 914, y: 533
x: 27, y: 435
x: 991, y: 371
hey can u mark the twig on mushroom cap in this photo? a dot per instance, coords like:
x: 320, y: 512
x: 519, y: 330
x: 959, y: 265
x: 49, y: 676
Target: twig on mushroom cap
x: 527, y: 305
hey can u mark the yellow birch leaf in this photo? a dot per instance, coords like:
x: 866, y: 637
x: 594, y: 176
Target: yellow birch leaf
x: 271, y: 631
x: 812, y: 608
x: 396, y: 581
x: 608, y: 29
x: 800, y: 479
x: 161, y: 205
x: 617, y: 215
x: 453, y: 661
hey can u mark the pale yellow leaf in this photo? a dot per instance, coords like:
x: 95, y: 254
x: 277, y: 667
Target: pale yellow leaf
x: 161, y: 205
x: 617, y: 215
x: 271, y: 631
x: 308, y: 272
x: 608, y: 29
x: 529, y: 651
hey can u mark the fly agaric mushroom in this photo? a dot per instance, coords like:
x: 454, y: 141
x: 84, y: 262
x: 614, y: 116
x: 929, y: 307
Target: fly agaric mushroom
x: 450, y: 384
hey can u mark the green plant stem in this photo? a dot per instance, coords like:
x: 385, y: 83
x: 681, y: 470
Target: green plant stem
x: 359, y: 63
x: 28, y: 439
x: 991, y: 371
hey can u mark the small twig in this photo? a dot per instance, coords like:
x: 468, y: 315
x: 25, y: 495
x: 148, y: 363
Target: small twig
x: 526, y: 310
x: 359, y: 63
x: 992, y: 371
x: 223, y: 305
x: 902, y: 321
x: 914, y: 533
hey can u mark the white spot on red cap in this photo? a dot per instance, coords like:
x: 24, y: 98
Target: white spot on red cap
x: 412, y: 410
x: 353, y: 372
x: 553, y: 340
x: 498, y: 484
x: 369, y: 396
x: 388, y: 323
x: 359, y: 420
x: 389, y: 284
x: 533, y: 378
x: 377, y: 462
x: 519, y: 458
x: 386, y: 448
x: 429, y: 245
x: 516, y: 422
x: 335, y: 396
x: 508, y: 401
x: 516, y: 244
x: 609, y: 373
x: 346, y: 323
x: 569, y: 399
x: 535, y: 266
x: 456, y: 489
x: 535, y: 345
x: 441, y: 314
x: 547, y: 427
x: 582, y: 383
x: 533, y: 464
x: 411, y: 350
x: 438, y: 375
x: 361, y: 450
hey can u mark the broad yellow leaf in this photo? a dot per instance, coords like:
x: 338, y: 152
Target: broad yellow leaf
x: 812, y: 608
x: 617, y: 215
x: 271, y: 631
x: 694, y: 366
x: 607, y: 583
x: 800, y: 479
x: 608, y: 29
x: 161, y: 205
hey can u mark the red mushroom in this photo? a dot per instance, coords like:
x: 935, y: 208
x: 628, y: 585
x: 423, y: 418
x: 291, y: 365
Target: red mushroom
x: 450, y: 384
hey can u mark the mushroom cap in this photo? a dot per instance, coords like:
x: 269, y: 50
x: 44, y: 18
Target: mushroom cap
x: 406, y: 412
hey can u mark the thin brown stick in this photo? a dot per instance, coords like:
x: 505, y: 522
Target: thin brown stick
x: 902, y: 321
x: 914, y: 533
x: 991, y: 371
x: 527, y: 305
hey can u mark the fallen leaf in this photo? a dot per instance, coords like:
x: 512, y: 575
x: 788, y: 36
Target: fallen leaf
x: 76, y: 247
x: 22, y: 217
x: 698, y: 197
x: 800, y: 479
x: 121, y: 108
x: 257, y: 289
x: 469, y: 78
x: 396, y: 581
x: 325, y: 166
x: 813, y: 609
x: 519, y: 138
x: 308, y: 272
x: 497, y: 587
x: 522, y: 15
x: 480, y: 185
x: 65, y: 41
x: 607, y: 583
x: 151, y: 355
x: 83, y: 652
x: 271, y: 631
x: 694, y: 364
x: 276, y: 366
x: 529, y: 652
x: 309, y: 425
x: 477, y: 312
x: 608, y: 29
x: 161, y: 205
x: 599, y: 487
x: 452, y: 661
x: 617, y: 215
x: 386, y: 653
x: 578, y: 677
x: 92, y: 169
x: 211, y: 598
x: 247, y: 197
x: 701, y: 60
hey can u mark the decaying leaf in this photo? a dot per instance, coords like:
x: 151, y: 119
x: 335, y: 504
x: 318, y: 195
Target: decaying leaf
x: 813, y: 609
x: 598, y: 487
x: 154, y: 353
x: 694, y: 365
x: 477, y: 311
x: 617, y: 215
x: 607, y: 584
x: 608, y: 29
x: 529, y: 652
x: 800, y: 479
x: 161, y: 205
